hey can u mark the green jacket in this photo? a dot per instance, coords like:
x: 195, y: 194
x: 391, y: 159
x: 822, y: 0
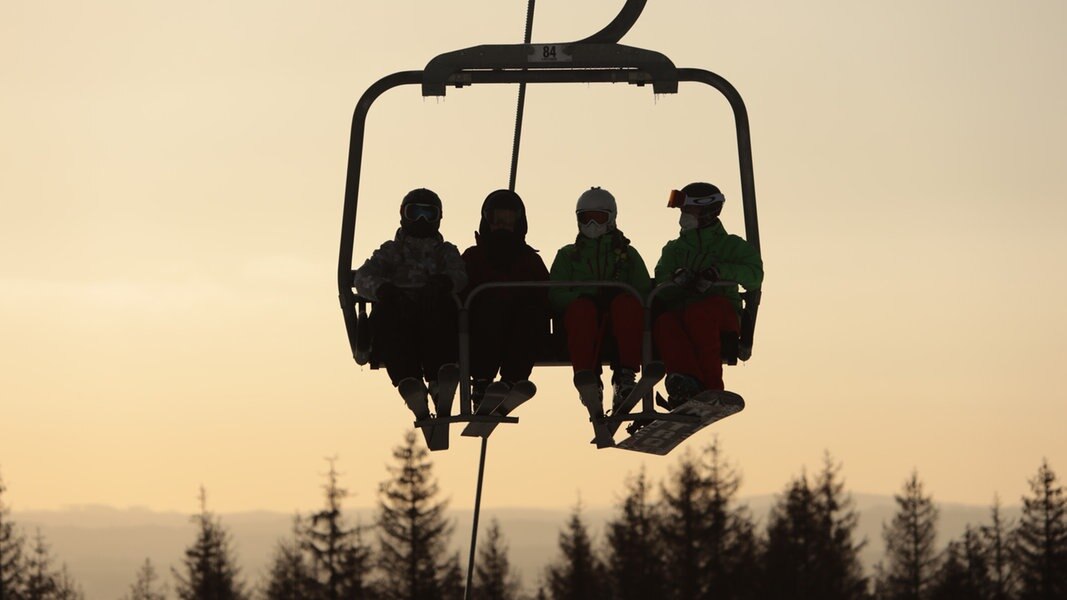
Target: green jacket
x: 698, y: 249
x: 607, y: 258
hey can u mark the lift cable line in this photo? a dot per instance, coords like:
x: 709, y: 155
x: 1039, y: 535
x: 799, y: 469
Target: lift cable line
x: 511, y: 186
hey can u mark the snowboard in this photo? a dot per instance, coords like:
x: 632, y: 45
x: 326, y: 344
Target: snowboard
x: 660, y: 437
x: 502, y: 404
x: 592, y: 396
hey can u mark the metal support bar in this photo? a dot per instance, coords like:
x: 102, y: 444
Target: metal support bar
x: 474, y: 526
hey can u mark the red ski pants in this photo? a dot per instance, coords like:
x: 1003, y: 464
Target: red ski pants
x: 586, y: 325
x: 688, y: 339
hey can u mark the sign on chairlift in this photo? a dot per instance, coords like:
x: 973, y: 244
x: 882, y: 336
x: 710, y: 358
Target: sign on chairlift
x: 542, y: 53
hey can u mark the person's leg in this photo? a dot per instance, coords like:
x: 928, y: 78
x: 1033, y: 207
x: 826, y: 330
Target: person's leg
x: 582, y: 323
x: 705, y: 321
x: 394, y: 324
x: 674, y: 345
x: 527, y: 329
x: 487, y: 336
x: 439, y: 337
x: 627, y: 325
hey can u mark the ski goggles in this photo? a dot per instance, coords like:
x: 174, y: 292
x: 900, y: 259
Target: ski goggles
x: 679, y: 199
x: 596, y: 216
x: 426, y: 212
x: 503, y: 218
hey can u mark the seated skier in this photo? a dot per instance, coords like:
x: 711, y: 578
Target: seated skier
x: 411, y: 279
x: 507, y: 325
x: 601, y: 253
x: 689, y: 331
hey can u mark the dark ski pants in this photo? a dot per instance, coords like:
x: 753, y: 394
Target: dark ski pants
x: 689, y: 340
x: 586, y: 325
x: 505, y: 337
x: 415, y: 335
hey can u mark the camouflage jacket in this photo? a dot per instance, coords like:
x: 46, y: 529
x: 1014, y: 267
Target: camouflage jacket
x: 408, y: 262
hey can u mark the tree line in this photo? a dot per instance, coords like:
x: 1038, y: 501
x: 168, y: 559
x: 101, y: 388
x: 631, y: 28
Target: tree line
x: 686, y: 538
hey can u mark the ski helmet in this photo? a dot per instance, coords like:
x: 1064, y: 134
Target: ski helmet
x: 601, y: 200
x: 701, y: 203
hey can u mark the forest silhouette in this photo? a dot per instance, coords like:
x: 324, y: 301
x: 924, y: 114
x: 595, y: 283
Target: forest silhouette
x: 687, y: 537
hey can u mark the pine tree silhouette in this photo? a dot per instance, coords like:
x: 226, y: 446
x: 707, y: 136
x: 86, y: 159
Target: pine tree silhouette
x: 210, y: 571
x: 1041, y: 539
x: 290, y: 576
x: 634, y: 561
x: 964, y: 571
x: 996, y: 539
x: 40, y: 579
x: 412, y: 530
x: 578, y: 573
x: 146, y: 586
x: 339, y: 560
x: 840, y: 573
x: 909, y: 543
x: 793, y: 544
x: 493, y: 577
x: 11, y: 549
x: 682, y: 526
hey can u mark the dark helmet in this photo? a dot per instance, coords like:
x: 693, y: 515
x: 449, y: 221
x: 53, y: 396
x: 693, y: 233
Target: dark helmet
x: 420, y: 213
x: 504, y: 199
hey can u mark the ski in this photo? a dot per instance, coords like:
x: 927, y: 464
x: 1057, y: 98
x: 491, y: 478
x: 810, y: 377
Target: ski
x: 447, y: 382
x: 494, y: 396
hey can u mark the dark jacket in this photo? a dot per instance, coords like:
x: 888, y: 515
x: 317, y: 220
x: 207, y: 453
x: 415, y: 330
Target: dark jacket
x: 483, y: 266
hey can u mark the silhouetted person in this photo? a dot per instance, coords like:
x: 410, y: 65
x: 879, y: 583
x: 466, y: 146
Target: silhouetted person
x: 689, y: 332
x: 412, y: 279
x: 507, y: 325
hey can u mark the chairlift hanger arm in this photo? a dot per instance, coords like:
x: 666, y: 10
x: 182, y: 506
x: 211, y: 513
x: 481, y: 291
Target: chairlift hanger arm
x: 525, y: 60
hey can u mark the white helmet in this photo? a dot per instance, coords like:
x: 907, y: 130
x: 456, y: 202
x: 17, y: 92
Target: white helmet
x: 596, y: 198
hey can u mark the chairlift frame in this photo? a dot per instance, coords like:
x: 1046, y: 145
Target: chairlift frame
x: 596, y: 59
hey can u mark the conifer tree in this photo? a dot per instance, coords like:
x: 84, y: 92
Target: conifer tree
x: 493, y: 577
x: 290, y: 576
x: 996, y: 539
x: 11, y: 548
x: 1041, y: 539
x: 412, y: 530
x: 147, y: 586
x: 634, y: 560
x: 339, y: 560
x: 909, y: 543
x: 963, y: 573
x: 66, y: 587
x: 40, y: 580
x: 839, y: 571
x: 577, y: 574
x: 793, y: 544
x: 728, y: 533
x: 210, y: 571
x: 684, y: 498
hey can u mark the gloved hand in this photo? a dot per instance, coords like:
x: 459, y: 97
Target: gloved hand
x: 710, y: 274
x: 387, y: 293
x: 682, y: 277
x: 439, y: 285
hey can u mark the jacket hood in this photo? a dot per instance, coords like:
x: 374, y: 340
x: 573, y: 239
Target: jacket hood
x: 504, y: 199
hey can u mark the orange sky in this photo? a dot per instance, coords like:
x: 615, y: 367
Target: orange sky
x: 171, y: 179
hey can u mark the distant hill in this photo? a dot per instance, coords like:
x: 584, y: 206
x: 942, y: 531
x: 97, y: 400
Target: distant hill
x: 104, y: 546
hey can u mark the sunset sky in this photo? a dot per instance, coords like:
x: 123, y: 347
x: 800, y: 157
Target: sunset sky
x: 171, y: 181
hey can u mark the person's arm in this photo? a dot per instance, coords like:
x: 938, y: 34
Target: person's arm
x: 375, y: 271
x: 562, y: 270
x: 639, y: 277
x: 453, y: 266
x: 743, y: 265
x: 668, y: 264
